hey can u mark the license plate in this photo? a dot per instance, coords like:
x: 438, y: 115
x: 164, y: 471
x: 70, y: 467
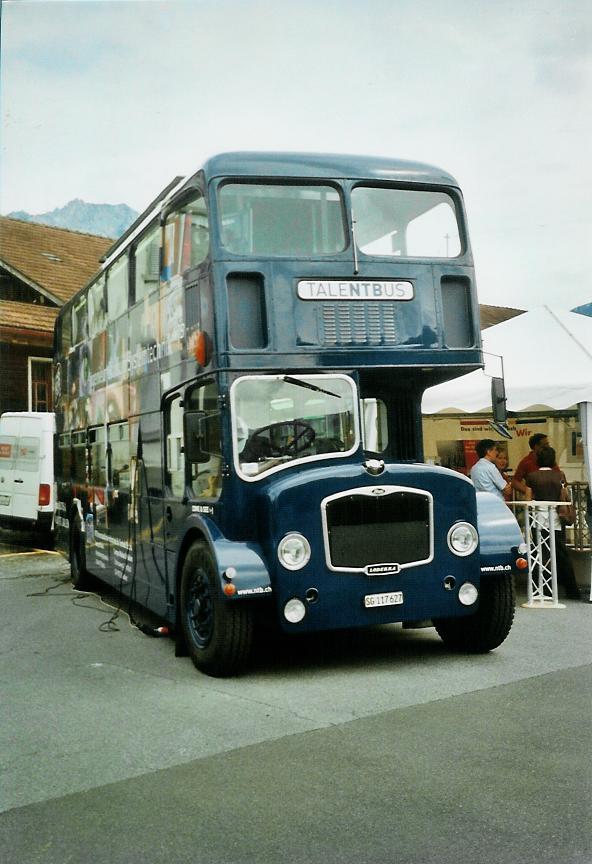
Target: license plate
x: 389, y: 598
x: 4, y: 500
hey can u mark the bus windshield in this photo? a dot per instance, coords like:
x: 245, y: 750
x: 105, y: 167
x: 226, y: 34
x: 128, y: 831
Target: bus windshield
x: 279, y: 418
x: 281, y: 219
x: 406, y: 223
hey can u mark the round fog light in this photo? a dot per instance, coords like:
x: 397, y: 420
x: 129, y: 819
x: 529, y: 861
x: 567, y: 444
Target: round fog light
x: 294, y: 610
x: 467, y: 594
x: 294, y: 551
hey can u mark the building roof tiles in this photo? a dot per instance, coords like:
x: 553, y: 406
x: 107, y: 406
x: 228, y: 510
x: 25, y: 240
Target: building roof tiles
x: 56, y: 260
x: 27, y: 316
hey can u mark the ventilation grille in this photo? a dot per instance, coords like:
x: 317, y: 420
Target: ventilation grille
x: 358, y: 324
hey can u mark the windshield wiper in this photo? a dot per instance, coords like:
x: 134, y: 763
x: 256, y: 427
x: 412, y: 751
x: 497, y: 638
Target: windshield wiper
x: 298, y: 383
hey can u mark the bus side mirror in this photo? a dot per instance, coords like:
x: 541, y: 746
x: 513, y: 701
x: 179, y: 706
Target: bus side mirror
x: 498, y: 400
x: 195, y: 434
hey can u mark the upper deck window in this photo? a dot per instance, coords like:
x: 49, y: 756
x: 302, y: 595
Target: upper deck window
x: 281, y: 219
x: 64, y: 333
x: 186, y: 238
x: 79, y: 321
x: 97, y: 307
x: 147, y: 263
x: 406, y: 223
x: 117, y: 288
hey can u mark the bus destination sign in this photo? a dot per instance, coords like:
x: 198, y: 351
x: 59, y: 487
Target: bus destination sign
x: 358, y: 289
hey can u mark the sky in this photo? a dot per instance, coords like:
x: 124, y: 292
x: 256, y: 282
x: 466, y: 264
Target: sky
x: 108, y: 101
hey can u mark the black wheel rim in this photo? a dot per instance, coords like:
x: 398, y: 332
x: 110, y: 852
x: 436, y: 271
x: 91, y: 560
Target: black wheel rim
x: 200, y: 609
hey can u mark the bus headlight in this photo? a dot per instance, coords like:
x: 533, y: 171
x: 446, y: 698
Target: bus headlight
x: 294, y: 551
x: 462, y: 539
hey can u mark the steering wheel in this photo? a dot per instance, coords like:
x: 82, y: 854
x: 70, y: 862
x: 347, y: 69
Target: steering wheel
x: 260, y: 444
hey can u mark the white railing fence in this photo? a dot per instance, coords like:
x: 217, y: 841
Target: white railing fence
x: 539, y: 523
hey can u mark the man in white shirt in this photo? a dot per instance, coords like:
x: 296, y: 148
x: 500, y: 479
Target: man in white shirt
x: 485, y: 473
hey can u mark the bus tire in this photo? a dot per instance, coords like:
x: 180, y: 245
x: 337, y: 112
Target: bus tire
x: 487, y: 628
x: 218, y: 633
x: 79, y: 575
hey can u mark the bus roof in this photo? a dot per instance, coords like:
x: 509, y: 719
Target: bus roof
x: 324, y: 165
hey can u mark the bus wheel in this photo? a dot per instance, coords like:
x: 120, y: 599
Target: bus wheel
x: 79, y: 575
x: 488, y: 626
x: 218, y: 633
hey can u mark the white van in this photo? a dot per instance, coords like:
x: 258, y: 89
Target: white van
x: 27, y: 494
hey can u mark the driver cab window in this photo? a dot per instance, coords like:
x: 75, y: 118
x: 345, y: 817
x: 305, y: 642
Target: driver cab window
x: 374, y: 425
x: 174, y: 448
x: 281, y: 418
x: 206, y: 474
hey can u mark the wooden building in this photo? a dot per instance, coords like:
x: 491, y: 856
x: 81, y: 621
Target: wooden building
x: 41, y: 267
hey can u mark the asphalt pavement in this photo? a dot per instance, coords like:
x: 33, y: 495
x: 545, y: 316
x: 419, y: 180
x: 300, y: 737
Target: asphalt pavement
x: 371, y: 746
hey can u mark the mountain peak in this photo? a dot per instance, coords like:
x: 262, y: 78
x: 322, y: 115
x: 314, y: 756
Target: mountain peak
x: 106, y: 220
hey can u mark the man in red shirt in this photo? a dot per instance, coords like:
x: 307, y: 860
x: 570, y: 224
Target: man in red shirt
x: 536, y: 443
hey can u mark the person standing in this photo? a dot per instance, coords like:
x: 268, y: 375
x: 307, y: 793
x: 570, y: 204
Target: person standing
x: 529, y: 463
x: 485, y: 473
x: 501, y: 461
x: 546, y: 484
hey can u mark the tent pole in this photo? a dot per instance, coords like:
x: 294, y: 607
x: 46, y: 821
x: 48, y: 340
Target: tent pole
x: 585, y: 410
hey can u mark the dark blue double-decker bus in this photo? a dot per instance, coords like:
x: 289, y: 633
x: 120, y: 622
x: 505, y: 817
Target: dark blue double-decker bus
x: 238, y: 405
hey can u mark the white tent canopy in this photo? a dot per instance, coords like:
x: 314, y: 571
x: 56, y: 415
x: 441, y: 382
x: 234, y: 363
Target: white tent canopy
x: 547, y: 356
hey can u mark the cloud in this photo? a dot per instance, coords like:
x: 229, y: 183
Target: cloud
x: 107, y: 101
x: 562, y: 50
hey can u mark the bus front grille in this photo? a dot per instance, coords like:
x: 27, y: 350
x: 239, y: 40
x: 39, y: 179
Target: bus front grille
x: 377, y: 525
